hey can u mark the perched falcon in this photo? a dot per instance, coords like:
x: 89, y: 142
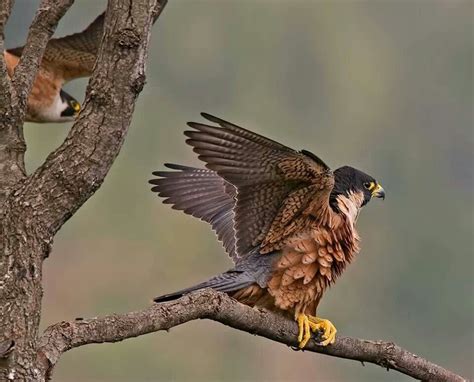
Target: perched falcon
x: 286, y: 220
x: 64, y: 59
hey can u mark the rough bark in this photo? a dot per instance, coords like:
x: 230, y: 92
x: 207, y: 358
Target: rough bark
x: 15, y: 91
x: 33, y: 208
x: 217, y: 306
x: 22, y: 245
x: 5, y: 83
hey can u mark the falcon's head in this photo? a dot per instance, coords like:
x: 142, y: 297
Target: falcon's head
x: 355, y: 184
x: 64, y: 108
x: 67, y: 108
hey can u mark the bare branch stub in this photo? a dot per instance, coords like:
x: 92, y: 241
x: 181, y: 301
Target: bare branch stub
x: 217, y: 306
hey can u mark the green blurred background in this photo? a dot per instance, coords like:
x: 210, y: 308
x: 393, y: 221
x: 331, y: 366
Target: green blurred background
x: 385, y: 86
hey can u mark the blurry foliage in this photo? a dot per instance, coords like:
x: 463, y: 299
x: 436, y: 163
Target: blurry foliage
x: 385, y: 86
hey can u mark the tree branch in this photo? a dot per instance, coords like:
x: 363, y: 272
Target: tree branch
x: 33, y: 208
x: 217, y: 306
x: 5, y: 83
x: 22, y: 246
x: 74, y: 171
x: 42, y: 28
x: 13, y: 102
x: 7, y: 175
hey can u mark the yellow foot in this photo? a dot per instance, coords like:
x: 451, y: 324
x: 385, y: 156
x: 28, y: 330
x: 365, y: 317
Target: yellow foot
x: 308, y: 324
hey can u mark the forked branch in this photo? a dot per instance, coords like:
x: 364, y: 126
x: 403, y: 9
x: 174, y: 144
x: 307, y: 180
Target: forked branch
x: 14, y: 92
x: 34, y: 207
x: 217, y: 306
x: 44, y: 24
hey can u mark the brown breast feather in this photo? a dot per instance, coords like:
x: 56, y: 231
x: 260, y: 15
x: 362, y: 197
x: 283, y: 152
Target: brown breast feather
x: 45, y: 87
x: 310, y: 262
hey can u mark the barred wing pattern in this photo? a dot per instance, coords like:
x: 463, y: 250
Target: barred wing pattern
x: 72, y: 56
x: 279, y: 190
x: 203, y: 194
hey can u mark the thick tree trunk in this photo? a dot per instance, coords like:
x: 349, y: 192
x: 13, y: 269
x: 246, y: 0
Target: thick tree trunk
x: 23, y: 246
x: 33, y: 208
x: 23, y: 243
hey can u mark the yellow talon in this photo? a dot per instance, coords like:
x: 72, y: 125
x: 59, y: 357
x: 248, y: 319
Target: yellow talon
x: 308, y: 324
x: 304, y: 333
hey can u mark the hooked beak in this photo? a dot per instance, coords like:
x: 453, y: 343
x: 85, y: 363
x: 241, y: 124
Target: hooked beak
x: 378, y: 192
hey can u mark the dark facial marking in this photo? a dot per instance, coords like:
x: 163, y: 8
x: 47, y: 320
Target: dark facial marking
x: 72, y: 105
x: 68, y: 112
x: 347, y: 179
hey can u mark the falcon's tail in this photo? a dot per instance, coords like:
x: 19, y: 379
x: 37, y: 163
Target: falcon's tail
x: 229, y: 281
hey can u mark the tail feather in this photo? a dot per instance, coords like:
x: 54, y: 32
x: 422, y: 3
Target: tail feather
x: 225, y: 282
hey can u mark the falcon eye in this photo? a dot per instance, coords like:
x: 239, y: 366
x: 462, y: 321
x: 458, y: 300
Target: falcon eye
x: 368, y: 185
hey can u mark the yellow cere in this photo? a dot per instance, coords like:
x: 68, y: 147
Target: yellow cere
x: 377, y: 188
x: 76, y: 106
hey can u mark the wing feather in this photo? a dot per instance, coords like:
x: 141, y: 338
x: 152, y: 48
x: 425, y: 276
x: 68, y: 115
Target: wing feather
x: 278, y: 188
x: 203, y: 194
x: 72, y: 56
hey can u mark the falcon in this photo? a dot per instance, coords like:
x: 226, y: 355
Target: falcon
x: 64, y: 59
x: 286, y: 220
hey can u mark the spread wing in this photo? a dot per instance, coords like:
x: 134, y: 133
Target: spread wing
x: 72, y: 56
x: 279, y: 190
x: 203, y: 194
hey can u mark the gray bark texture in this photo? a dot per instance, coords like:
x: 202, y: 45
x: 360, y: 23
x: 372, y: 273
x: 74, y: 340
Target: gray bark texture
x: 34, y: 207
